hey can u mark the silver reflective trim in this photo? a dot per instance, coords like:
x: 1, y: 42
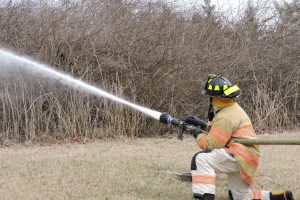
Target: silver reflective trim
x: 243, y: 132
x: 256, y: 195
x: 221, y: 136
x: 245, y: 155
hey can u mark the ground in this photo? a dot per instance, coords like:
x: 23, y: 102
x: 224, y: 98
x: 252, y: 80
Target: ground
x: 127, y: 169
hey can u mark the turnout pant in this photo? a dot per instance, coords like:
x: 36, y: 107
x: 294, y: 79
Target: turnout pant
x: 205, y: 166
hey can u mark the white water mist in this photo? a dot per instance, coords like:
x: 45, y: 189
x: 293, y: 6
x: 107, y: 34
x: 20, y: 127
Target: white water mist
x: 9, y: 60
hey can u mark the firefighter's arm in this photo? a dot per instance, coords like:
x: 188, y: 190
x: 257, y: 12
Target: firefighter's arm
x: 217, y: 136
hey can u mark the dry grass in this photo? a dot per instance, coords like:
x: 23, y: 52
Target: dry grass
x: 125, y: 169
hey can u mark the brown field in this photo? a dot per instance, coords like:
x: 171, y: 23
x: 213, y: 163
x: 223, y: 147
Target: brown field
x: 126, y: 169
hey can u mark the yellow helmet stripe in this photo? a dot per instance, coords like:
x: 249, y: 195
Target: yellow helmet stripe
x: 231, y: 90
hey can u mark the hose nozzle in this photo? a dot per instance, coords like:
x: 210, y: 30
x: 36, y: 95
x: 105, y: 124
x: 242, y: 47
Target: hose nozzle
x: 168, y: 119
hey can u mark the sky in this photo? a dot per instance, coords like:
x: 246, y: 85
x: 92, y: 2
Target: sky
x: 232, y: 8
x: 229, y: 4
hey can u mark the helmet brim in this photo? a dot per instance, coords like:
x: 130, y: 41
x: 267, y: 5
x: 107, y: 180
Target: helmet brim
x: 204, y: 92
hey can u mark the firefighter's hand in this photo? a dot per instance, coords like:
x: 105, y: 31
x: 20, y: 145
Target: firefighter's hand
x: 197, y: 131
x: 196, y: 122
x: 164, y: 118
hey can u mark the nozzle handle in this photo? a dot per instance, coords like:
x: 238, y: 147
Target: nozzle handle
x: 180, y: 124
x: 180, y: 133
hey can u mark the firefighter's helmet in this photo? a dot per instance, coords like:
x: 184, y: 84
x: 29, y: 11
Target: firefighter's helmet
x: 220, y: 87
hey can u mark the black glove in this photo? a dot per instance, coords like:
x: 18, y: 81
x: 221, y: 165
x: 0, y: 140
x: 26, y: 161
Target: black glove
x: 211, y: 113
x: 196, y: 122
x: 196, y: 131
x: 164, y: 118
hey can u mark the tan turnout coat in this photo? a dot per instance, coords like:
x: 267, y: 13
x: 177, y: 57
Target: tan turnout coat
x: 229, y: 122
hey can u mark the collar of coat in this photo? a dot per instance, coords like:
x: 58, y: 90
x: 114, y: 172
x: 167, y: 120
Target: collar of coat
x: 218, y: 104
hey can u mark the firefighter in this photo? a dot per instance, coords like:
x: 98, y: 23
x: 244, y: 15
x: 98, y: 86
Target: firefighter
x: 226, y: 120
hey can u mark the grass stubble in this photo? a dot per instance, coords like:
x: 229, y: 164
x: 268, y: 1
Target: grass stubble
x: 127, y: 169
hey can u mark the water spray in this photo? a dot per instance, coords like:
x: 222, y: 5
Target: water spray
x: 9, y: 59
